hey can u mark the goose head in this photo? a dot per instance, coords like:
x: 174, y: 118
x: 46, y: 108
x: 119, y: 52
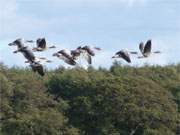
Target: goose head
x: 141, y: 47
x: 17, y: 42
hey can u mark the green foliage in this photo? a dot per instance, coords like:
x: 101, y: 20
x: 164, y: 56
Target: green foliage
x: 121, y: 101
x: 27, y: 109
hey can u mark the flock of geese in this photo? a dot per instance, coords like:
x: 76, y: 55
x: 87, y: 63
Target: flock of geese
x: 70, y: 56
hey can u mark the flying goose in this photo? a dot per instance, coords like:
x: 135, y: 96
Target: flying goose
x: 42, y: 45
x: 124, y: 55
x: 28, y: 54
x: 146, y: 50
x: 63, y: 55
x: 90, y: 50
x: 37, y: 67
x: 86, y: 51
x: 78, y: 52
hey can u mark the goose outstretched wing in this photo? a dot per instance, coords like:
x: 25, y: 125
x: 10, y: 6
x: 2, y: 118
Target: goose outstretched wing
x: 88, y: 58
x: 36, y: 67
x: 147, y: 48
x: 41, y: 43
x: 141, y: 47
x: 125, y: 55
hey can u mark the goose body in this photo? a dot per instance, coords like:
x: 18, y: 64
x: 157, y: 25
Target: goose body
x: 28, y: 54
x: 86, y: 51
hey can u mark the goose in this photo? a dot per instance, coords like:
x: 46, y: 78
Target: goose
x: 63, y: 54
x: 42, y: 45
x: 86, y: 51
x: 28, y: 54
x: 77, y: 53
x: 37, y: 67
x: 124, y: 55
x: 146, y: 50
x: 90, y: 50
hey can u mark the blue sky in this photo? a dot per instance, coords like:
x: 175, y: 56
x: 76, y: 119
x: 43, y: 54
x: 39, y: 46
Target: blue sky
x: 110, y: 24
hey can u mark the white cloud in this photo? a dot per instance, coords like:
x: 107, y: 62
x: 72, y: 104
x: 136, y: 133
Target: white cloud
x: 15, y: 22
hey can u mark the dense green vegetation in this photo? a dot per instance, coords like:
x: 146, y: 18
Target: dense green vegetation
x: 119, y: 101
